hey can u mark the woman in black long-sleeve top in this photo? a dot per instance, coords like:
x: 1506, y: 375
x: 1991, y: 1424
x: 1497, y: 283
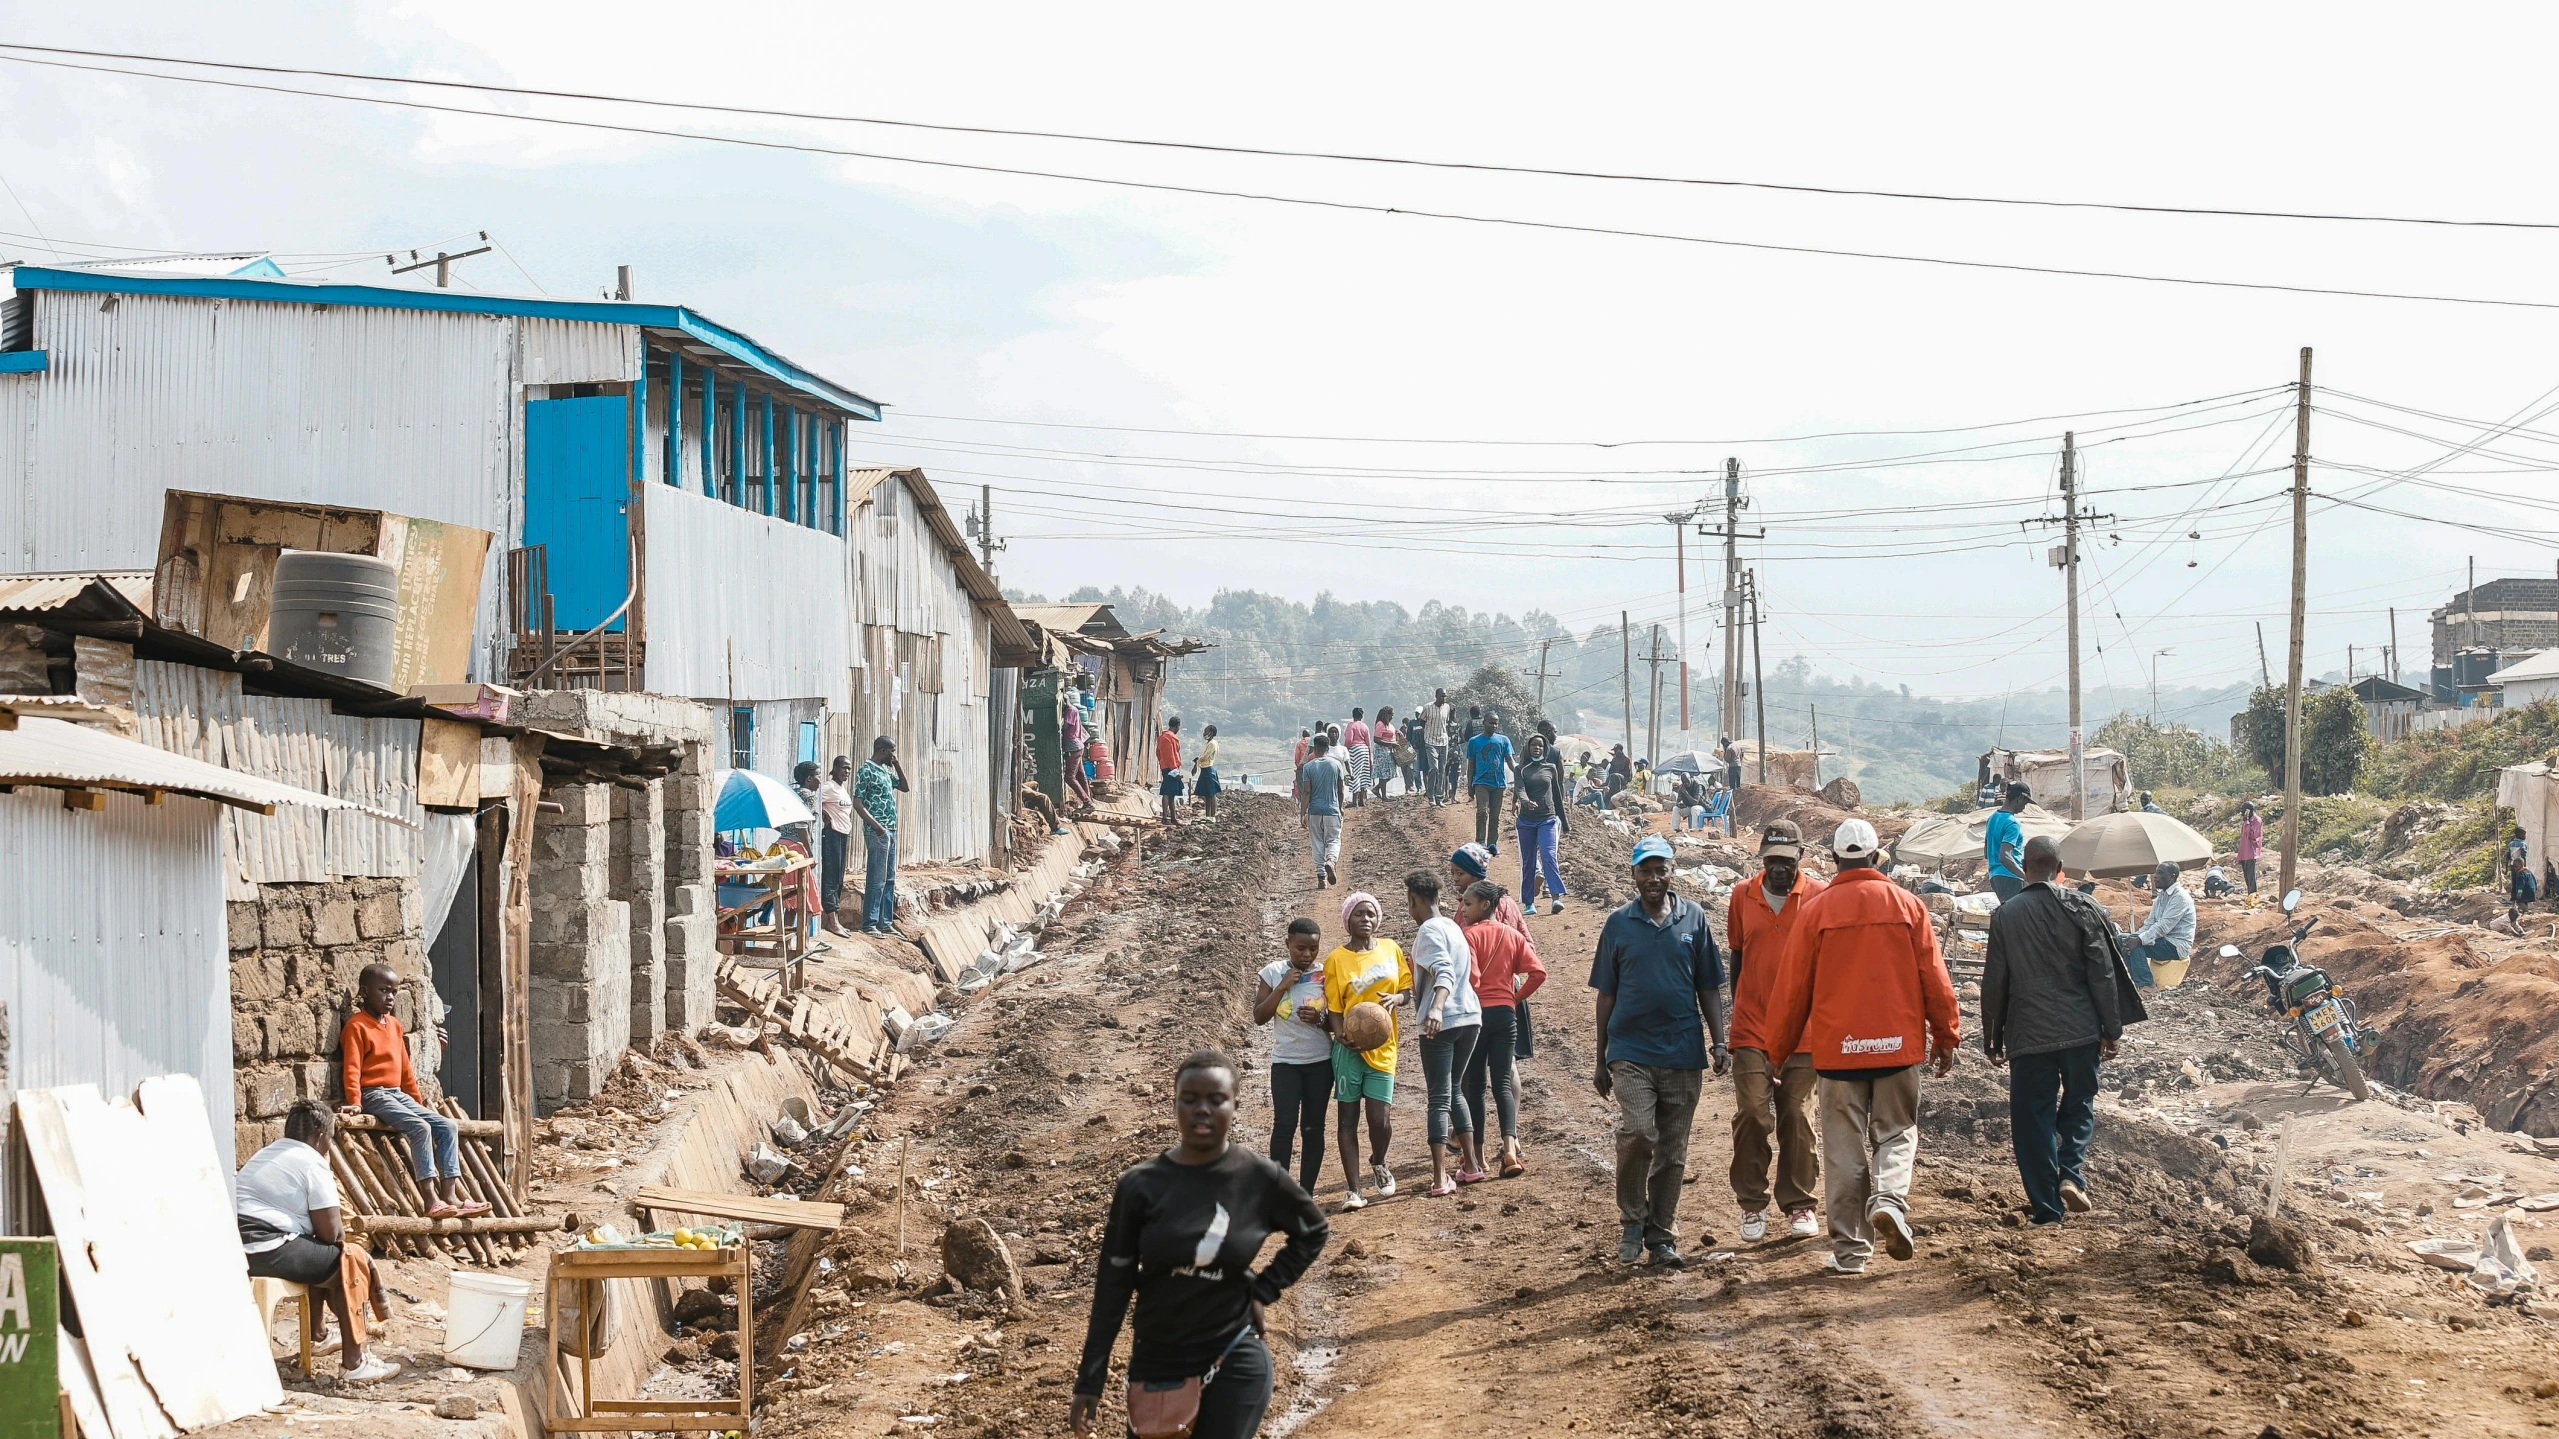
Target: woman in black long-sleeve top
x: 1184, y: 1230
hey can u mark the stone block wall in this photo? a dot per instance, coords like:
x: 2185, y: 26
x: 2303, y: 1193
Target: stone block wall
x: 295, y: 953
x: 639, y: 880
x: 690, y: 922
x: 581, y: 948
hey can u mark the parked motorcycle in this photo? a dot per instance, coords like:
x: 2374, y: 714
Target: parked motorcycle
x: 2326, y: 1030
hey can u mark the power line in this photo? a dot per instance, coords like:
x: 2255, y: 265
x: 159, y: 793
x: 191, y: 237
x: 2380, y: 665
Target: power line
x: 1312, y: 202
x: 1344, y: 157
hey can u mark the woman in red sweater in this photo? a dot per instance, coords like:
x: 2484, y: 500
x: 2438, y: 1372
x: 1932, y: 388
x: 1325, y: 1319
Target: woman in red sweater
x: 1506, y: 973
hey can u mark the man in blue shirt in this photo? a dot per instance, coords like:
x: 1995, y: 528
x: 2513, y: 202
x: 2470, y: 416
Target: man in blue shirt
x: 1488, y: 757
x: 2004, y: 845
x: 1659, y: 978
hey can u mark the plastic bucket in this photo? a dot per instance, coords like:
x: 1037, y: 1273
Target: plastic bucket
x: 484, y: 1319
x: 2169, y: 973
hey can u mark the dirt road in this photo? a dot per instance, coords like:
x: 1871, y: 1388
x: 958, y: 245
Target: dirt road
x: 1501, y: 1311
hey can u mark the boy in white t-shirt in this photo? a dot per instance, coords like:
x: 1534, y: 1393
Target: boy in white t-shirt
x: 1291, y: 1000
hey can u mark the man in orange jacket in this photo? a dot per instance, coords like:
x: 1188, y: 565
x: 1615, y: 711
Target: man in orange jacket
x: 1772, y: 1093
x: 1864, y: 988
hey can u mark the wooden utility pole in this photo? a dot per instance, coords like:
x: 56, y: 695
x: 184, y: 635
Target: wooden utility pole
x: 1542, y: 674
x: 2394, y: 643
x: 2300, y: 588
x: 1626, y: 675
x: 2070, y: 585
x: 2263, y: 673
x: 1758, y: 691
x: 1816, y: 712
x: 1653, y: 732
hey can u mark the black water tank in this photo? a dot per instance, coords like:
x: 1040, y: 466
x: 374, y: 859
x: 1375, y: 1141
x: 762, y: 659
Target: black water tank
x: 336, y: 613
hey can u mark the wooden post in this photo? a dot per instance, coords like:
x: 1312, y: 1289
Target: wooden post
x: 2300, y: 584
x: 2070, y: 589
x: 902, y: 1141
x: 1758, y: 689
x: 1816, y: 712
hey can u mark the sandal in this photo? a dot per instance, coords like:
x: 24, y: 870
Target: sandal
x: 1443, y: 1189
x: 443, y: 1211
x: 1472, y: 1176
x: 472, y: 1208
x: 1513, y: 1166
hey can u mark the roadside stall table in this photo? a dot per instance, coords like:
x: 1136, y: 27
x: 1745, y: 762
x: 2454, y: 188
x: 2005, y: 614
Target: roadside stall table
x: 587, y: 1267
x: 766, y: 914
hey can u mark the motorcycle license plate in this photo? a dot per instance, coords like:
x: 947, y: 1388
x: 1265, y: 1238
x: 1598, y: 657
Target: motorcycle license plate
x: 2325, y: 1018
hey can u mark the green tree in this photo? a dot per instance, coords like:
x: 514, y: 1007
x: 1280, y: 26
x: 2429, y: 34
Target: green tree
x: 2163, y: 756
x: 1500, y: 689
x: 2334, y: 740
x: 2261, y: 730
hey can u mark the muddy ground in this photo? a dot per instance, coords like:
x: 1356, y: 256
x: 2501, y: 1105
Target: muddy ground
x: 1501, y: 1311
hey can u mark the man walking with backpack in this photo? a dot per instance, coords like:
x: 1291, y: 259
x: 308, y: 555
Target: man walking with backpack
x: 1864, y: 988
x: 2055, y: 998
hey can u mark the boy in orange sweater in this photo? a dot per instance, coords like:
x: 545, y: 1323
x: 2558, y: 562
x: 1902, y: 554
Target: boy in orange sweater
x: 381, y: 1083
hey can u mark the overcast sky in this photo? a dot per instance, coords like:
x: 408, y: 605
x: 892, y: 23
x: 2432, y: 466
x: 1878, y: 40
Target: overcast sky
x: 972, y: 297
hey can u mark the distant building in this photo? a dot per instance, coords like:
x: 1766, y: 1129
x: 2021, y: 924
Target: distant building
x: 2390, y: 710
x: 2535, y: 677
x: 2511, y: 616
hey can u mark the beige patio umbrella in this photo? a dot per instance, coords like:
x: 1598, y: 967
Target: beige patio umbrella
x: 2136, y: 842
x: 1950, y: 837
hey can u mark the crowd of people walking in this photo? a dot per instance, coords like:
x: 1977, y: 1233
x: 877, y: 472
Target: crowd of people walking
x: 1838, y: 999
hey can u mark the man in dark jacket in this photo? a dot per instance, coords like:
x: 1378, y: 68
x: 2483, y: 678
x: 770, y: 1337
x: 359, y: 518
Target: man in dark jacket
x: 2055, y: 998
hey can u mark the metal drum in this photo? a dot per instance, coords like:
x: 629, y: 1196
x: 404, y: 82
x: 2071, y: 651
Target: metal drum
x: 336, y: 612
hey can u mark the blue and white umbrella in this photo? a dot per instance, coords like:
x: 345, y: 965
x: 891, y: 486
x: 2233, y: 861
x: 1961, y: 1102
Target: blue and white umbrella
x: 747, y: 800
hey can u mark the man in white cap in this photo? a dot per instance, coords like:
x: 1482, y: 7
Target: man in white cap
x: 1864, y: 988
x: 1659, y: 980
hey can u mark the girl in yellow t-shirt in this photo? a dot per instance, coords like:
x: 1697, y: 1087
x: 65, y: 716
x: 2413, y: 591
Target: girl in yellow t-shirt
x: 1367, y: 967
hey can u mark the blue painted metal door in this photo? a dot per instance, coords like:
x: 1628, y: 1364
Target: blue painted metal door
x: 577, y: 501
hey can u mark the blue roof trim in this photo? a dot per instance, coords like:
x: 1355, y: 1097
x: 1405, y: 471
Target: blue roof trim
x: 22, y: 362
x: 608, y: 312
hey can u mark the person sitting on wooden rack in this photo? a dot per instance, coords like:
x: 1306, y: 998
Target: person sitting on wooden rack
x: 380, y: 1082
x: 293, y: 1227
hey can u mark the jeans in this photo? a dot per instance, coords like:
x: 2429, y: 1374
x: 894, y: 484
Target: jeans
x: 1488, y: 816
x: 1870, y: 1143
x: 1773, y: 1119
x: 435, y: 1147
x: 879, y: 880
x: 2052, y: 1113
x: 1444, y: 1059
x: 1655, y: 1108
x: 2006, y: 886
x: 1494, y: 1063
x: 1232, y: 1408
x: 1537, y: 846
x: 1324, y: 839
x: 2137, y: 956
x: 832, y: 849
x: 1298, y: 1104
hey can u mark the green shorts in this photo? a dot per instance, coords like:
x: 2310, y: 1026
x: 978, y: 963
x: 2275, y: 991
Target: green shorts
x: 1355, y: 1079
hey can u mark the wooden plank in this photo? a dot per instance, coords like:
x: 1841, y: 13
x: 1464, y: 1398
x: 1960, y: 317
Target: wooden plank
x: 79, y: 1386
x: 129, y: 1409
x: 802, y: 1214
x: 448, y: 765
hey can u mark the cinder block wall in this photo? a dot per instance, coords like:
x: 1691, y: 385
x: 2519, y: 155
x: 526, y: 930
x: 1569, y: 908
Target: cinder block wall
x: 295, y: 953
x: 691, y: 920
x: 581, y: 960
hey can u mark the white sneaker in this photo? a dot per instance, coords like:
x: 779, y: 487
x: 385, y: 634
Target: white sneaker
x: 1754, y: 1226
x: 1385, y: 1178
x: 1353, y: 1200
x: 2074, y: 1198
x: 374, y: 1369
x: 1802, y: 1225
x: 1833, y: 1267
x: 1556, y: 908
x: 1892, y: 1230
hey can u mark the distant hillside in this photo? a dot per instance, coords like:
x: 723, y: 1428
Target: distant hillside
x: 1281, y: 663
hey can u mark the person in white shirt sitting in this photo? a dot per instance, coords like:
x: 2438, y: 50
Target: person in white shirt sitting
x: 294, y: 1228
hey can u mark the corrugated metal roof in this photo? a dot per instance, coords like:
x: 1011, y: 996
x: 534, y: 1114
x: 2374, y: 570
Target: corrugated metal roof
x: 673, y: 318
x: 1007, y: 625
x: 60, y: 755
x: 38, y: 593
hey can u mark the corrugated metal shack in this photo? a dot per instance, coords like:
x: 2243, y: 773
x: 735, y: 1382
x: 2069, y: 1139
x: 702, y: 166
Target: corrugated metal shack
x: 1127, y: 675
x: 114, y: 952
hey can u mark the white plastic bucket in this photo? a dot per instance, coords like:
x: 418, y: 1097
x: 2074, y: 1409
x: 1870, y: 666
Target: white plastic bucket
x: 484, y: 1319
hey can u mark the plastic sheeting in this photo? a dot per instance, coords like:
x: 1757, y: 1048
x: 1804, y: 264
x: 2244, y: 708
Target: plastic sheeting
x: 452, y: 842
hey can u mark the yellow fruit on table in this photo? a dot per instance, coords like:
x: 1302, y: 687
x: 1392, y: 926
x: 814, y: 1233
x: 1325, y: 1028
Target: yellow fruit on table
x: 684, y: 1236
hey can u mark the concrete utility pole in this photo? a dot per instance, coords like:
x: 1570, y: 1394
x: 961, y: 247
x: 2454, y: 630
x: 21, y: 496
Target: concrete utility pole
x: 2154, y: 680
x: 2394, y: 644
x: 1653, y: 735
x: 1679, y: 524
x: 982, y: 524
x: 1758, y: 691
x: 1626, y: 675
x: 2263, y: 673
x: 2300, y: 587
x: 1729, y: 699
x: 2070, y: 584
x: 622, y: 283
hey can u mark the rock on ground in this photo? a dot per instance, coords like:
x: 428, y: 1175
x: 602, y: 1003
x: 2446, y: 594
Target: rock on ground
x: 973, y: 1254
